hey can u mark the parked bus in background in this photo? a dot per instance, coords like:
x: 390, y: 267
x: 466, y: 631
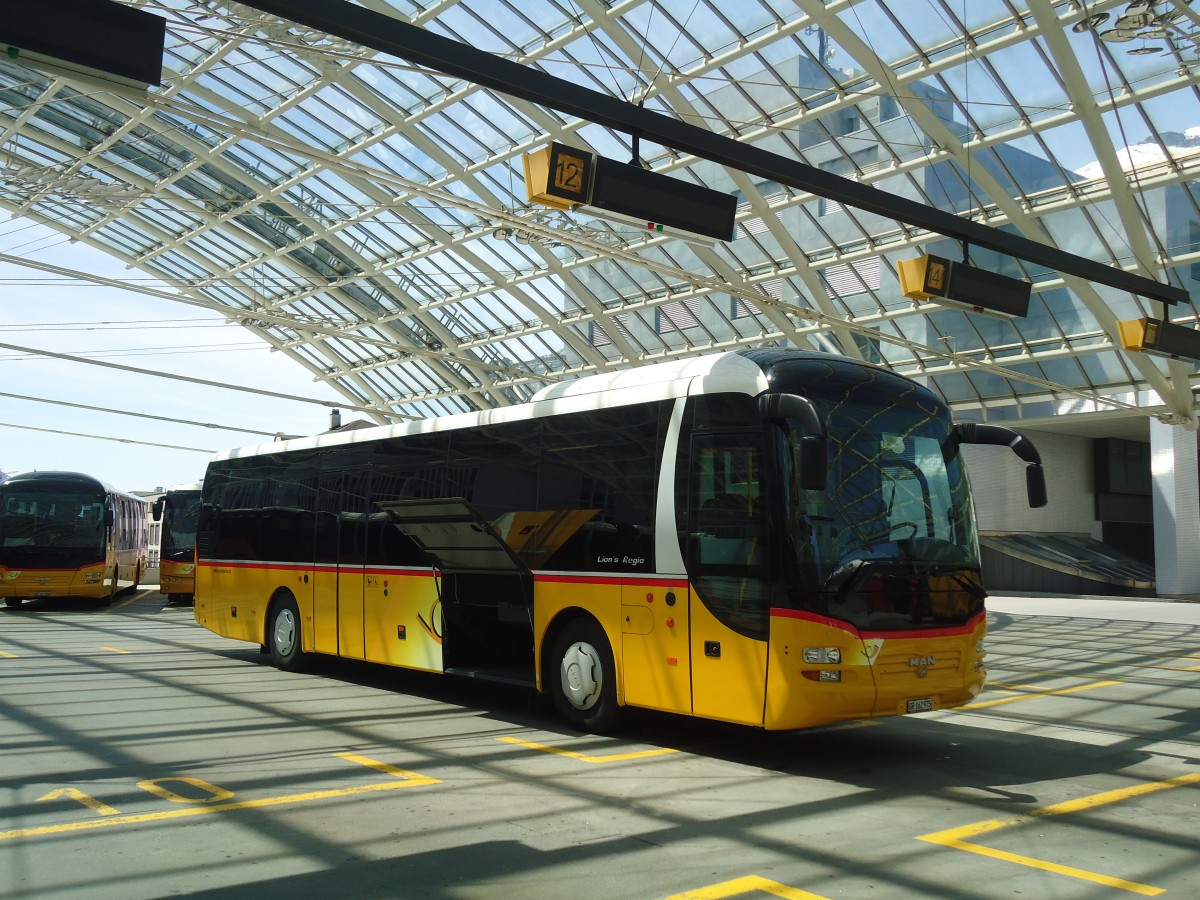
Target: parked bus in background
x: 63, y: 534
x: 178, y: 510
x: 772, y: 537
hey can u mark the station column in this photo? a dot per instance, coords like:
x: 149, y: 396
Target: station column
x: 1173, y: 468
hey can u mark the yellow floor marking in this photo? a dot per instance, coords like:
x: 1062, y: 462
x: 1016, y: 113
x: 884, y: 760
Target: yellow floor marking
x: 378, y: 766
x: 1113, y: 662
x: 408, y: 779
x: 114, y: 650
x: 1035, y: 696
x: 4, y: 654
x: 1012, y: 687
x: 215, y: 794
x: 956, y: 837
x: 745, y: 886
x: 80, y: 797
x: 637, y: 754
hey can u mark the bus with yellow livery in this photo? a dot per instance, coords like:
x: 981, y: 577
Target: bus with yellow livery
x: 69, y: 535
x: 179, y: 512
x: 772, y: 537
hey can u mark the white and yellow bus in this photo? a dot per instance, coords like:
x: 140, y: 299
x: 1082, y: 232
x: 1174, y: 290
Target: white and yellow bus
x: 179, y: 512
x: 770, y: 537
x: 63, y: 534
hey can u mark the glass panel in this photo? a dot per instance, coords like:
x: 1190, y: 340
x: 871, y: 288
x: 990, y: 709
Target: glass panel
x: 729, y: 534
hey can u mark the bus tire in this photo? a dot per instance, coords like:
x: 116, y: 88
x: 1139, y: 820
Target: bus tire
x: 284, y: 636
x: 581, y: 677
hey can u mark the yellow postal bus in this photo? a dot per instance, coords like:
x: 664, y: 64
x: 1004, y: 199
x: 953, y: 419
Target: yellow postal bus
x: 63, y: 534
x: 771, y: 537
x: 179, y: 512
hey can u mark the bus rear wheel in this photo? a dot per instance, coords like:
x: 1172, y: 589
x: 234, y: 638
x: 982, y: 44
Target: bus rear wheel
x: 581, y: 677
x: 284, y: 637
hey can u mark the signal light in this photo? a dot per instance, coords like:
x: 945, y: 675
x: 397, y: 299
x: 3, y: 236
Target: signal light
x: 827, y: 675
x: 822, y: 655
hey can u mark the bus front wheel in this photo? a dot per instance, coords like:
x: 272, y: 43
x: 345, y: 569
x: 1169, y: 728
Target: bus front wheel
x: 284, y: 636
x: 582, y: 677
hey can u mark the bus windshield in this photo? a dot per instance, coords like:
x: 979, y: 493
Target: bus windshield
x: 181, y: 514
x: 891, y: 539
x: 50, y: 519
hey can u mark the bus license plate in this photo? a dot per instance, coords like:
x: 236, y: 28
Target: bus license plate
x: 41, y: 594
x: 925, y: 704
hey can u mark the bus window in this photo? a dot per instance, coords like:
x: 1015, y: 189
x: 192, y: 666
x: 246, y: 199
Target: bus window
x: 729, y: 532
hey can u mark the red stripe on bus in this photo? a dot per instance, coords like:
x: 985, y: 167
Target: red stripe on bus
x: 950, y: 631
x: 23, y: 569
x: 423, y: 571
x: 414, y: 571
x: 224, y: 564
x: 572, y: 578
x: 577, y: 578
x: 780, y: 613
x: 971, y: 625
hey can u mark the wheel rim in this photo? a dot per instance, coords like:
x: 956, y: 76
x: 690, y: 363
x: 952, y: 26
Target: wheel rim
x: 582, y: 675
x: 285, y: 632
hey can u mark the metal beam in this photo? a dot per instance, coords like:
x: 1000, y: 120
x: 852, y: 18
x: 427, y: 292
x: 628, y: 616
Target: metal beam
x: 391, y: 36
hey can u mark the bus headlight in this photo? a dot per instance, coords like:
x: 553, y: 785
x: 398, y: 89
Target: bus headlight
x: 816, y: 656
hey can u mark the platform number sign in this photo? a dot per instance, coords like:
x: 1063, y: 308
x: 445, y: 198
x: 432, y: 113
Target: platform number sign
x: 935, y: 277
x: 570, y: 173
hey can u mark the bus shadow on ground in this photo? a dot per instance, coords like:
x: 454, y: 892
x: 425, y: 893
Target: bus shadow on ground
x: 894, y: 755
x: 127, y: 601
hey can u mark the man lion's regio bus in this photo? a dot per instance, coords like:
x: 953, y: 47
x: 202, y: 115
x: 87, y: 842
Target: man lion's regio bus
x: 771, y: 537
x: 63, y: 534
x: 179, y: 511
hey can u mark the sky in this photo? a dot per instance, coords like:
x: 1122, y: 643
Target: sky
x: 48, y: 313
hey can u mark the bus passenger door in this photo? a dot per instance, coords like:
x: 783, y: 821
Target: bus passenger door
x: 352, y: 548
x: 325, y: 559
x: 338, y: 569
x: 727, y: 563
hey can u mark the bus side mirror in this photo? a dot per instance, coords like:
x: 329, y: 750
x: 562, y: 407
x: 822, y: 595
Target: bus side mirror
x: 814, y: 463
x: 157, y: 510
x: 813, y: 447
x: 999, y: 436
x: 109, y: 517
x: 1035, y: 486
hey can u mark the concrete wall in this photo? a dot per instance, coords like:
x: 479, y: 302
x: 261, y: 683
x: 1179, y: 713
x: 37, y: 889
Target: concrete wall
x: 998, y: 479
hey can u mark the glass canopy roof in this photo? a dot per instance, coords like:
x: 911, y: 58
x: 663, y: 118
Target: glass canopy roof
x: 369, y: 218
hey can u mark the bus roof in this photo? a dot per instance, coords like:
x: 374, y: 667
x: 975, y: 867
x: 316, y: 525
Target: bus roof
x: 76, y: 479
x: 718, y: 372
